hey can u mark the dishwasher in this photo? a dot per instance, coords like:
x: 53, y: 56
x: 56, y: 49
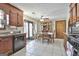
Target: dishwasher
x: 18, y: 42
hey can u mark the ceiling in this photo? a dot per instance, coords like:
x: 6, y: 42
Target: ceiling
x: 51, y: 10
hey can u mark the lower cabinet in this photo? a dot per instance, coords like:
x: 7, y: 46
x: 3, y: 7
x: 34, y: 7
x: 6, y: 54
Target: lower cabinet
x: 6, y: 45
x: 11, y: 44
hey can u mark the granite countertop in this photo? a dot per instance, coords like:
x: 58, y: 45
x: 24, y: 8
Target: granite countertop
x: 73, y: 34
x: 9, y: 34
x: 68, y: 34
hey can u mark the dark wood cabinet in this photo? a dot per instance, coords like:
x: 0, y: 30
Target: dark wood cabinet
x: 16, y: 15
x: 6, y: 45
x: 77, y: 11
x: 13, y: 18
x: 71, y: 17
x: 73, y: 14
x: 20, y: 20
x: 5, y: 7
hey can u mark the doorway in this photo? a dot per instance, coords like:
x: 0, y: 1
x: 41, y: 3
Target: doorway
x: 28, y: 29
x: 60, y: 28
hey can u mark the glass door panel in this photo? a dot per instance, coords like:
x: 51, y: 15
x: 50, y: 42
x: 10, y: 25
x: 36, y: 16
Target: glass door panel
x: 30, y: 30
x: 26, y: 29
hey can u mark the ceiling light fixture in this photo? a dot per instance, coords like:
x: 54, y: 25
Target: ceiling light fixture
x: 41, y: 19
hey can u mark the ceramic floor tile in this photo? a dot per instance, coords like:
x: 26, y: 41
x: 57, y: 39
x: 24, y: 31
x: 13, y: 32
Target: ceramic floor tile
x: 38, y: 48
x: 22, y: 52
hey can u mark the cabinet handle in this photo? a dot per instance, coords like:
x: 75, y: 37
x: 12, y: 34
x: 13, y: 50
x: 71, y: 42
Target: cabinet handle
x: 0, y: 40
x: 16, y: 39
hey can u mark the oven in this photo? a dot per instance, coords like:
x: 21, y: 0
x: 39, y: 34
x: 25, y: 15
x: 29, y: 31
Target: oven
x: 73, y: 46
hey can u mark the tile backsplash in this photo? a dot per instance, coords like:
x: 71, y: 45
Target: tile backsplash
x: 75, y: 29
x: 12, y: 28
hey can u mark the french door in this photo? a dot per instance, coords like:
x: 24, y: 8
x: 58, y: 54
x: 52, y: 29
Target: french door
x: 28, y: 29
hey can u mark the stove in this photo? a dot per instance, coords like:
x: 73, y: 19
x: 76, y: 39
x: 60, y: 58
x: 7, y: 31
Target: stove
x: 74, y: 41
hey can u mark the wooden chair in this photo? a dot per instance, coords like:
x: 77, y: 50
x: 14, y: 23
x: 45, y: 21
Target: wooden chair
x: 48, y: 37
x: 35, y: 36
x: 52, y: 37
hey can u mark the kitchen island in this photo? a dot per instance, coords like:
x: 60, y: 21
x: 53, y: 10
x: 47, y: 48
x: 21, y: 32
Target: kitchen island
x: 11, y: 42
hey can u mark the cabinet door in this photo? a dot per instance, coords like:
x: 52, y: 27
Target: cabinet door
x: 6, y: 45
x: 20, y: 20
x: 1, y: 46
x: 13, y: 19
x: 71, y: 17
x: 5, y: 7
x: 74, y: 14
x: 72, y: 5
x: 77, y: 11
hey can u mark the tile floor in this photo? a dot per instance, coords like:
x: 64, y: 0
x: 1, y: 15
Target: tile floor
x: 39, y: 48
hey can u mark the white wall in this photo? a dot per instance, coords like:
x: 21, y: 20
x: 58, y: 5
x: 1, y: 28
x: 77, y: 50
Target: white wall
x: 28, y: 18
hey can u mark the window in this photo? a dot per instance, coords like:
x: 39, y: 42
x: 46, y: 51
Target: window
x: 2, y: 18
x: 1, y: 14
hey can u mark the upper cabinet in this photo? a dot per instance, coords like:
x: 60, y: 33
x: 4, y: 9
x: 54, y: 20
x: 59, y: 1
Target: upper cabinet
x: 5, y: 7
x: 77, y: 11
x: 73, y: 13
x: 15, y: 14
x: 16, y: 17
x: 13, y: 18
x: 20, y: 19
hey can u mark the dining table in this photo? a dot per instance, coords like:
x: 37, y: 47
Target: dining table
x: 49, y: 36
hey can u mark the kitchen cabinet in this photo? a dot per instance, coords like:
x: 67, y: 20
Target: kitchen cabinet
x: 12, y: 43
x: 73, y: 13
x: 16, y: 17
x: 13, y: 19
x: 71, y: 17
x: 20, y: 19
x: 15, y: 14
x: 6, y: 45
x: 72, y: 5
x: 5, y: 7
x: 77, y: 11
